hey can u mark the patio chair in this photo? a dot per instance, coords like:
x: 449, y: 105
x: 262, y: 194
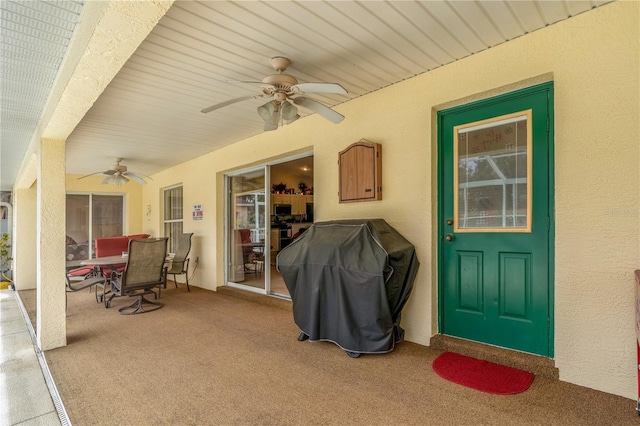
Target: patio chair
x: 143, y: 272
x: 89, y: 280
x: 249, y: 258
x: 180, y: 262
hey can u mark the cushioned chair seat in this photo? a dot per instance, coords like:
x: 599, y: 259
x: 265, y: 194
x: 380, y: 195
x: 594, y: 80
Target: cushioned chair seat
x: 81, y: 272
x: 113, y: 246
x: 88, y: 280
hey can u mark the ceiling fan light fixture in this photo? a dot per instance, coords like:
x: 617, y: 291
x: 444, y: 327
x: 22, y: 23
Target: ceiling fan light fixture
x: 289, y: 112
x: 269, y: 113
x: 116, y: 179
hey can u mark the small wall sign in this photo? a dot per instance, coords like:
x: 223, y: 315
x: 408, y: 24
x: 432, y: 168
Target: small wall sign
x: 198, y: 212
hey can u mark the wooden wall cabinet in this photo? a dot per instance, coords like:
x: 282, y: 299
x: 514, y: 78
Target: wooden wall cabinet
x: 280, y: 199
x: 298, y: 202
x: 360, y: 168
x: 275, y: 241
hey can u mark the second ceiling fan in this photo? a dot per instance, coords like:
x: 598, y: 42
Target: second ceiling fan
x: 119, y: 174
x: 283, y: 88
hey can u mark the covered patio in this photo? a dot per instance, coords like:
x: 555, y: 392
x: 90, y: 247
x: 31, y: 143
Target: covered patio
x: 175, y: 367
x: 240, y: 357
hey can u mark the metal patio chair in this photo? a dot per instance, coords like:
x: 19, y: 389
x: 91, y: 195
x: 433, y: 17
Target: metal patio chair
x: 180, y: 262
x: 89, y: 280
x: 143, y: 272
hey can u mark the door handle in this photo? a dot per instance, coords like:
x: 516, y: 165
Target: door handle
x: 449, y: 222
x: 449, y: 237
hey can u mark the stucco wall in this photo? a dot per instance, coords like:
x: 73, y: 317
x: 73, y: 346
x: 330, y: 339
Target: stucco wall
x: 593, y: 61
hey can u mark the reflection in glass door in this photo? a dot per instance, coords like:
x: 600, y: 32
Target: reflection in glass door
x: 246, y: 229
x: 493, y: 175
x: 91, y: 216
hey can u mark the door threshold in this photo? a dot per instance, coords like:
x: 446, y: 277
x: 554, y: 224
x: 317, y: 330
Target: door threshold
x: 536, y: 364
x: 277, y: 302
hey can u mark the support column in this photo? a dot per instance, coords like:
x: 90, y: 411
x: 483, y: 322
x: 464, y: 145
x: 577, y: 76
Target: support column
x: 51, y: 206
x: 24, y: 209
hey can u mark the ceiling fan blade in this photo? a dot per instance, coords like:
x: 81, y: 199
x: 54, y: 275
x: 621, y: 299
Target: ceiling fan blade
x: 96, y: 173
x: 136, y: 178
x: 110, y: 172
x: 319, y: 108
x: 260, y: 83
x: 229, y: 102
x: 320, y: 88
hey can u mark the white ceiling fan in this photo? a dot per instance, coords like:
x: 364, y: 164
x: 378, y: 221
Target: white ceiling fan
x: 283, y: 88
x: 119, y: 175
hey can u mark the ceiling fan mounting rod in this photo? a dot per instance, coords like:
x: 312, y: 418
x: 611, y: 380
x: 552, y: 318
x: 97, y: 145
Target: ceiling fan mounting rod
x: 281, y: 81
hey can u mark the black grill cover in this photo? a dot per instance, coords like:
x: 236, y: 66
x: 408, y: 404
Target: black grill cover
x: 349, y: 280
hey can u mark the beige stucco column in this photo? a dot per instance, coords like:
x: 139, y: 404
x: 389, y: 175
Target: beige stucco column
x: 51, y: 215
x: 24, y: 209
x: 107, y: 35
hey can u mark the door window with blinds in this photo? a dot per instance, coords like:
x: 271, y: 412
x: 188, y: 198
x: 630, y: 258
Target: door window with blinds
x: 492, y: 174
x: 173, y: 215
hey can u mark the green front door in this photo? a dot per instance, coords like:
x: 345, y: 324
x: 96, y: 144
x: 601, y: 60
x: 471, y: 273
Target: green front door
x: 495, y: 220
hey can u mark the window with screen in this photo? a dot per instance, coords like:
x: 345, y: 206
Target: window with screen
x: 173, y: 215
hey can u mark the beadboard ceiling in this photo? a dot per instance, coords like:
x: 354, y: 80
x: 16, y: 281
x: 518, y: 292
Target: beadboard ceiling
x: 150, y: 112
x: 34, y: 37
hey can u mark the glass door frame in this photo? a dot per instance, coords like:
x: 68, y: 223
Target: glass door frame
x: 267, y: 240
x: 515, y: 118
x: 228, y: 240
x: 90, y: 196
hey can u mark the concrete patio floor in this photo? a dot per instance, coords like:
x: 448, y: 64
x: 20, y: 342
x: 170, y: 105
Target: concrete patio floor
x: 25, y: 386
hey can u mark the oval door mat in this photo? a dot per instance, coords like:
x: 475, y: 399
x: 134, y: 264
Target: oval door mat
x: 482, y: 375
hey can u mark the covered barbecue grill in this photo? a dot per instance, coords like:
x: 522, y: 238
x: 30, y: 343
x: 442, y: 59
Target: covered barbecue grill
x: 349, y: 280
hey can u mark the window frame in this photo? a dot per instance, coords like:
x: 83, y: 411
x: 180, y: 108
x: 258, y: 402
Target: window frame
x: 90, y: 225
x: 168, y: 221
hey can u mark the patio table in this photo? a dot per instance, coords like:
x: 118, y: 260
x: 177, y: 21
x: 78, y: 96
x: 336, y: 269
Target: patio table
x: 112, y: 261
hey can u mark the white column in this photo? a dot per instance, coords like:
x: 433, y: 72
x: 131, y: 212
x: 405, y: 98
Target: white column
x: 51, y: 307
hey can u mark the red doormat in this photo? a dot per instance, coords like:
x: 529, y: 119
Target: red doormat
x: 482, y: 375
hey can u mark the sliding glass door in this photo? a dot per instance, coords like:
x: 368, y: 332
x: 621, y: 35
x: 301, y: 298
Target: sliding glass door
x: 262, y: 219
x: 90, y: 216
x: 246, y: 226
